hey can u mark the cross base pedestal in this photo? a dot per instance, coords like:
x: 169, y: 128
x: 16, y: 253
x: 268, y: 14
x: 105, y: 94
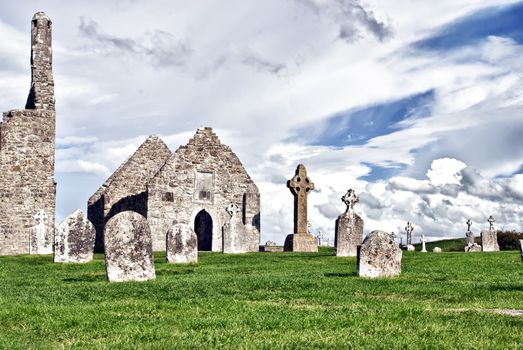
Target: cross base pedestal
x: 300, y: 242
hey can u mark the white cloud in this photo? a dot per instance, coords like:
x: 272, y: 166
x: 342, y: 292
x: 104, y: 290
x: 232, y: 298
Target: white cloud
x: 257, y: 71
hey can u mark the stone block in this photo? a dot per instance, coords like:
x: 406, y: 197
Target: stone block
x: 182, y: 245
x: 379, y: 256
x: 128, y: 248
x: 299, y: 242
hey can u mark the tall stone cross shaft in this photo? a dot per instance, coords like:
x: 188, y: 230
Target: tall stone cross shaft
x: 300, y: 186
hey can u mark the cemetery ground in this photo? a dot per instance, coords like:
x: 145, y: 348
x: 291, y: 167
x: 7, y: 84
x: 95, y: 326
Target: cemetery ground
x: 265, y: 300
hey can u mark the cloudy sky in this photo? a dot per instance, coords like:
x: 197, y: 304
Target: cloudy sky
x: 416, y: 105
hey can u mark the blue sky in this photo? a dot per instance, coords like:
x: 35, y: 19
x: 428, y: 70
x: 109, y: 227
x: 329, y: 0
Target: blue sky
x: 418, y: 108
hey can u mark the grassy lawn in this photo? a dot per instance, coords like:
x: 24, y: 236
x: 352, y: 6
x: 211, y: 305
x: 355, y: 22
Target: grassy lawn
x: 267, y: 301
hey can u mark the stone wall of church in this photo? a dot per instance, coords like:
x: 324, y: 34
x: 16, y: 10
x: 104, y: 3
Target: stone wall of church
x: 126, y: 189
x: 203, y: 175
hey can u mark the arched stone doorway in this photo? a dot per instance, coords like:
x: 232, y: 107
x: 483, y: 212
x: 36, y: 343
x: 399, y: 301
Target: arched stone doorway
x: 203, y: 229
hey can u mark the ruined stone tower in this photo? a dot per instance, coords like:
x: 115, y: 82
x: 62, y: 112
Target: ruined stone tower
x: 27, y: 147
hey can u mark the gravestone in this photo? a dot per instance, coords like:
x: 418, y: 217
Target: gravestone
x: 521, y: 248
x: 301, y: 240
x: 74, y: 239
x: 271, y: 247
x: 233, y: 231
x: 348, y: 232
x: 489, y: 238
x: 436, y: 250
x: 319, y: 238
x: 409, y: 228
x: 41, y: 234
x: 379, y: 256
x: 469, y: 234
x: 474, y: 247
x: 182, y: 244
x: 411, y: 248
x: 423, y: 241
x: 128, y: 248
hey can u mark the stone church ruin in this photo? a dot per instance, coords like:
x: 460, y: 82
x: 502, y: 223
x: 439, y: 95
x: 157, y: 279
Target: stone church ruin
x: 194, y: 186
x: 27, y: 147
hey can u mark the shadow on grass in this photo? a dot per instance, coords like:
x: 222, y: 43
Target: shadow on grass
x: 86, y: 278
x: 507, y: 288
x: 339, y: 274
x: 172, y: 273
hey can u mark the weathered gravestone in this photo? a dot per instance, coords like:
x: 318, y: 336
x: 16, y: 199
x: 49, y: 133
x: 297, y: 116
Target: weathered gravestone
x: 271, y: 247
x: 410, y: 248
x: 379, y: 256
x: 489, y: 238
x: 471, y: 246
x: 348, y: 232
x: 74, y: 239
x: 128, y: 248
x: 409, y: 228
x: 474, y: 247
x: 521, y: 248
x: 423, y: 246
x: 182, y: 244
x: 300, y: 186
x: 436, y: 250
x: 469, y: 234
x: 41, y: 234
x: 234, y: 234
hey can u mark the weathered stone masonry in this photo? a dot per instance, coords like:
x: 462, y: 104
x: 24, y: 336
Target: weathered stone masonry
x: 27, y: 147
x: 193, y: 186
x: 126, y: 188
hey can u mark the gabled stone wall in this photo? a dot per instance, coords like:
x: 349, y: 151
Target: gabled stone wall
x: 203, y: 175
x: 27, y: 151
x: 126, y: 188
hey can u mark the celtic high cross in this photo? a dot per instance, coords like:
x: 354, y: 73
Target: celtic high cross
x: 300, y: 186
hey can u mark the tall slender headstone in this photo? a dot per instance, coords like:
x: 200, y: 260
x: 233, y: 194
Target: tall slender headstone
x: 521, y: 248
x: 409, y: 228
x: 128, y: 248
x: 233, y: 231
x: 301, y: 240
x: 489, y: 238
x: 348, y: 233
x: 423, y: 246
x: 469, y: 234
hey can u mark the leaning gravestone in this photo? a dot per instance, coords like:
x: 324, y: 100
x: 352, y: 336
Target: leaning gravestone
x: 128, y: 248
x: 182, y: 245
x: 379, y: 256
x: 489, y: 238
x: 74, y: 239
x: 348, y: 232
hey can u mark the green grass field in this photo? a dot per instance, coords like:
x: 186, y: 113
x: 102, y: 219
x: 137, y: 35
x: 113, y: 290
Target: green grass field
x: 265, y: 301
